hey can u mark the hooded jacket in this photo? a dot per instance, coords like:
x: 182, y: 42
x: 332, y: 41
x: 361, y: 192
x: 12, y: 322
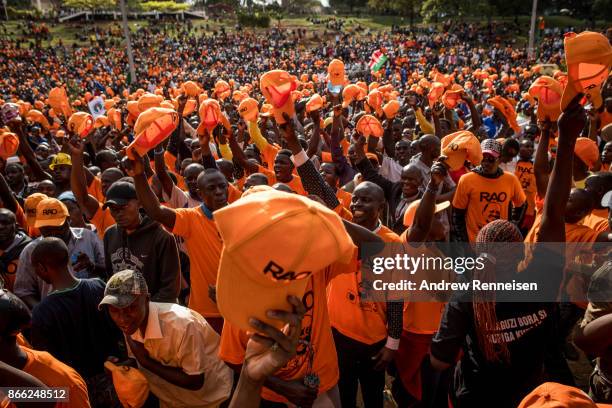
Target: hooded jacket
x: 150, y: 250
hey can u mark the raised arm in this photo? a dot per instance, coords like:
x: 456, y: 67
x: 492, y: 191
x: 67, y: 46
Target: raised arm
x: 164, y: 215
x: 427, y: 207
x: 78, y: 178
x: 240, y: 157
x: 387, y: 139
x: 6, y: 195
x: 476, y: 119
x: 541, y: 166
x: 313, y: 143
x: 28, y: 154
x: 571, y: 122
x: 162, y: 171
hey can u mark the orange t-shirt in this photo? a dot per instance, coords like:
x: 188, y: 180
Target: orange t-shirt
x: 295, y: 184
x: 233, y: 193
x: 596, y: 222
x: 95, y: 189
x: 54, y: 373
x: 525, y: 174
x: 573, y: 232
x: 204, y: 247
x: 344, y: 197
x: 103, y: 220
x: 364, y: 321
x: 486, y: 199
x: 315, y: 329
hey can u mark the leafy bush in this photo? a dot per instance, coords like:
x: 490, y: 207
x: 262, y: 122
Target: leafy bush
x: 22, y: 14
x: 257, y: 19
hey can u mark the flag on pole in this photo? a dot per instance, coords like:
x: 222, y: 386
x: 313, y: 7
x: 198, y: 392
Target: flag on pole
x: 377, y: 60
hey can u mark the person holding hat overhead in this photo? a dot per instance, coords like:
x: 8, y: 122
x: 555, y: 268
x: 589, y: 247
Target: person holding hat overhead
x: 84, y: 246
x: 174, y: 347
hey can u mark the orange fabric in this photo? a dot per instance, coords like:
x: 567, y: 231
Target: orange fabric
x: 54, y: 373
x: 204, y: 247
x: 605, y: 119
x: 315, y: 328
x: 597, y: 222
x: 525, y: 174
x: 103, y: 220
x: 95, y: 189
x: 573, y: 232
x: 412, y: 350
x: 344, y: 197
x: 295, y: 184
x: 268, y: 155
x: 360, y: 320
x: 486, y: 199
x: 233, y: 194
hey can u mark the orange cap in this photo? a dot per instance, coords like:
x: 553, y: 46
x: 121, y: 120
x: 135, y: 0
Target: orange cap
x: 109, y: 103
x: 248, y: 109
x: 375, y: 100
x: 315, y: 102
x: 50, y: 212
x: 148, y: 101
x: 152, y: 127
x: 352, y: 93
x: 115, y: 118
x: 222, y: 89
x: 166, y: 104
x: 435, y: 92
x: 191, y: 89
x: 554, y: 395
x: 238, y: 96
x: 548, y: 92
x: 335, y: 71
x: 247, y: 285
x: 29, y: 207
x: 459, y: 147
x: 391, y: 108
x: 451, y: 98
x: 412, y: 208
x: 190, y: 106
x: 211, y: 115
x: 131, y: 385
x: 80, y: 123
x: 368, y: 125
x: 587, y: 151
x: 133, y: 109
x: 506, y: 109
x: 60, y: 133
x: 37, y: 116
x: 9, y: 143
x: 276, y: 86
x: 58, y: 100
x: 589, y: 57
x: 101, y: 121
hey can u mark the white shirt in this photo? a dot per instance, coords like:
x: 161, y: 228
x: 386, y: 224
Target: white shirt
x: 180, y: 337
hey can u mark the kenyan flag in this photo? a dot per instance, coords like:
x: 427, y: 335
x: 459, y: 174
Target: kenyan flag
x: 377, y: 60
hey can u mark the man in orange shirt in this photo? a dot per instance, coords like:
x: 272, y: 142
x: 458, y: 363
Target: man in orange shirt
x: 14, y: 317
x: 197, y: 227
x: 485, y: 194
x: 366, y: 333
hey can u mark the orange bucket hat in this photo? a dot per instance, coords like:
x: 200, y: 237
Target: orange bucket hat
x: 451, y: 98
x: 248, y: 286
x: 506, y: 109
x: 315, y: 102
x: 80, y: 123
x: 190, y: 106
x: 152, y: 127
x: 589, y: 57
x: 548, y: 92
x: 9, y: 143
x: 37, y: 116
x: 587, y: 151
x: 276, y: 86
x: 459, y: 147
x: 335, y: 71
x: 368, y: 125
x: 248, y: 109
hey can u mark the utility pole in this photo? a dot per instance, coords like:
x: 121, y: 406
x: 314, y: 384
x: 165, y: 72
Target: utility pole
x: 531, y: 49
x: 128, y: 41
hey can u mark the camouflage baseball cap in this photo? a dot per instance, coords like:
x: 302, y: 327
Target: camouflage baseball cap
x: 123, y: 288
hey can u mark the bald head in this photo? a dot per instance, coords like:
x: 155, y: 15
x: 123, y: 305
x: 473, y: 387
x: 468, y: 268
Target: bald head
x: 372, y: 190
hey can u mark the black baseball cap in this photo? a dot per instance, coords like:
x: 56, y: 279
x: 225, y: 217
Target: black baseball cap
x: 119, y: 193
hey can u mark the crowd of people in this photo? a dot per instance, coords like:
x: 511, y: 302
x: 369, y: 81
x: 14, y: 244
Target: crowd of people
x: 154, y: 231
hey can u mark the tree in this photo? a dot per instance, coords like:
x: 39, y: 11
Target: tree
x: 90, y: 4
x: 407, y: 8
x: 350, y: 5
